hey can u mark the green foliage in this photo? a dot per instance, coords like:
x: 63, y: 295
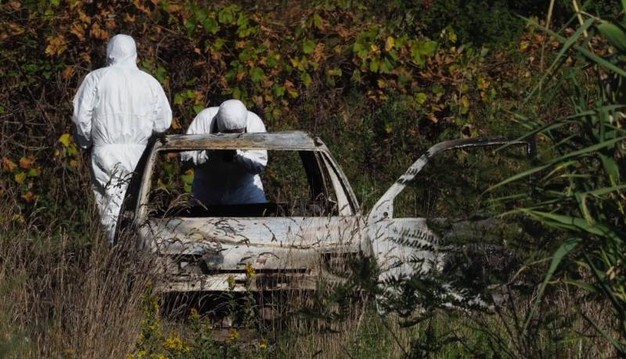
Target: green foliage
x: 493, y: 22
x: 579, y: 187
x: 294, y: 67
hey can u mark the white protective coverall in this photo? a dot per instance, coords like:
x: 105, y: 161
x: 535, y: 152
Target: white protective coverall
x: 116, y: 110
x: 236, y: 180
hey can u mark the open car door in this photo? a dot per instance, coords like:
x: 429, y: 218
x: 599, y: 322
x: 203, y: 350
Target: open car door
x: 404, y: 246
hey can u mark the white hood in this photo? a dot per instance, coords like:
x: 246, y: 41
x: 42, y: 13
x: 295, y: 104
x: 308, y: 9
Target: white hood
x: 122, y: 51
x: 232, y: 115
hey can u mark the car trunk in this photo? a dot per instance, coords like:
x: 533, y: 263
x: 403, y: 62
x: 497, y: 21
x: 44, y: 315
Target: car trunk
x: 226, y: 253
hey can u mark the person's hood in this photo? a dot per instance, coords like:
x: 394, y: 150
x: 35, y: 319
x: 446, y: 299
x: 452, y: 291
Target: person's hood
x: 122, y: 51
x: 232, y: 115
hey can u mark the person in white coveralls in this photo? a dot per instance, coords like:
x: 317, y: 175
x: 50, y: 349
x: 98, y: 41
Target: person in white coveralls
x: 227, y: 177
x: 117, y: 109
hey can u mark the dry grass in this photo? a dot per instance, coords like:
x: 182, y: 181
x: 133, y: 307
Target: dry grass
x: 62, y: 296
x: 68, y: 297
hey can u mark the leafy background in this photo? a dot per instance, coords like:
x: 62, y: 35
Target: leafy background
x: 379, y: 82
x: 371, y: 82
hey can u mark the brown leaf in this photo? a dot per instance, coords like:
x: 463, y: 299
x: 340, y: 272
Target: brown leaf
x: 56, y: 45
x: 97, y: 32
x: 26, y: 162
x: 318, y: 53
x: 14, y: 5
x: 8, y: 165
x: 176, y: 124
x: 79, y: 31
x: 68, y: 73
x: 29, y: 197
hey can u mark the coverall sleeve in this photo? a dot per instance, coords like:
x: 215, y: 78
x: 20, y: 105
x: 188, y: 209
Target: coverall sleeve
x: 254, y: 161
x: 84, y: 105
x: 163, y: 111
x: 201, y: 124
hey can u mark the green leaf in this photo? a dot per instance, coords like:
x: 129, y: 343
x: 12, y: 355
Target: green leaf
x: 428, y: 47
x: 227, y: 14
x: 211, y: 26
x: 421, y: 98
x: 308, y: 46
x: 72, y: 150
x: 34, y: 172
x: 317, y: 21
x: 361, y: 50
x: 190, y: 25
x: 614, y: 33
x: 257, y: 75
x: 242, y: 20
x: 606, y: 190
x: 416, y: 55
x: 198, y: 108
x: 574, y: 224
x: 306, y: 78
x: 278, y: 90
x: 386, y: 66
x: 561, y: 252
x: 374, y: 65
x: 610, y: 167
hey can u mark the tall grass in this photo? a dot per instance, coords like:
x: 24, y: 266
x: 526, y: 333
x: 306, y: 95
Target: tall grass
x: 62, y: 296
x: 579, y: 187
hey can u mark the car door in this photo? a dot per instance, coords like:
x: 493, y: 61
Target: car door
x: 404, y: 246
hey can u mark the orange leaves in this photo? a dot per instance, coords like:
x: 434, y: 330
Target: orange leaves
x: 29, y: 196
x: 176, y: 124
x: 68, y: 73
x: 97, y: 32
x: 319, y: 52
x: 14, y: 5
x: 140, y: 5
x: 21, y: 172
x: 56, y: 45
x: 27, y: 162
x: 8, y: 165
x: 78, y: 30
x: 10, y: 29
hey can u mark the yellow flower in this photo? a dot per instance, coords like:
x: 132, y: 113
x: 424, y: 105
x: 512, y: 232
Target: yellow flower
x: 233, y: 336
x: 263, y: 344
x: 174, y: 343
x: 195, y: 315
x: 231, y: 282
x: 250, y: 271
x: 139, y: 355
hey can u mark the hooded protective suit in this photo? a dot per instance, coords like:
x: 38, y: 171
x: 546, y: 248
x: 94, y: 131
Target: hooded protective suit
x: 116, y: 110
x: 223, y: 178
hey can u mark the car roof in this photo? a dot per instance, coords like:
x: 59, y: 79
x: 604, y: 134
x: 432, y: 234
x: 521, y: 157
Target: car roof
x: 284, y: 140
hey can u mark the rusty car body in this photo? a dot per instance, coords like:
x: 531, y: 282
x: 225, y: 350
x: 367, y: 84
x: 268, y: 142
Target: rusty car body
x: 305, y: 233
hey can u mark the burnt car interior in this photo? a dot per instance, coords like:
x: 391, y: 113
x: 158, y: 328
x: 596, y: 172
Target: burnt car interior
x: 295, y: 183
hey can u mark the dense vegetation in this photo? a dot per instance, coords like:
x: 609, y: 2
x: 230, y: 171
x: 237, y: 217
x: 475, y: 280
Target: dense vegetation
x: 379, y: 82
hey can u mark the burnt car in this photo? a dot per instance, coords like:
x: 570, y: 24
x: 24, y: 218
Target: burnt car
x: 311, y: 225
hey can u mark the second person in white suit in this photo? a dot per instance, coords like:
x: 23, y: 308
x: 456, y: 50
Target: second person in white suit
x: 227, y: 177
